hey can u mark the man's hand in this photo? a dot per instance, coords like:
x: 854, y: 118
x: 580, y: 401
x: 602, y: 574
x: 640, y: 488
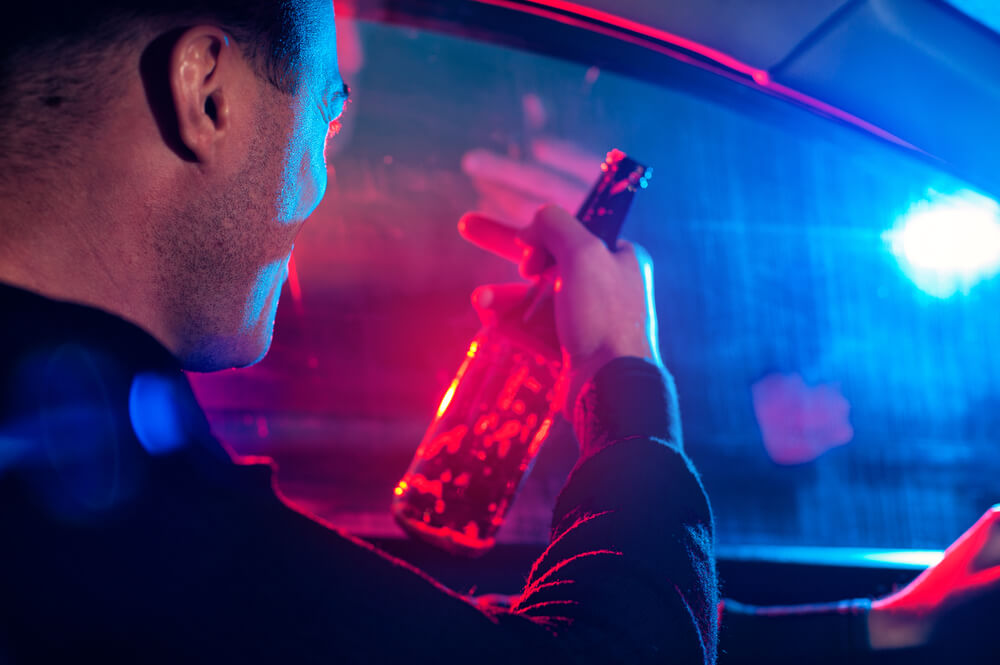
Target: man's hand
x: 969, y: 570
x: 604, y: 307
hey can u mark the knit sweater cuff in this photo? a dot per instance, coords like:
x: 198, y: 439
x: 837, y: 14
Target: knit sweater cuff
x: 627, y: 398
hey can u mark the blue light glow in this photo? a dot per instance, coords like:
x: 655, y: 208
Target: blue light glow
x: 986, y: 12
x: 155, y: 413
x: 947, y: 244
x: 832, y: 556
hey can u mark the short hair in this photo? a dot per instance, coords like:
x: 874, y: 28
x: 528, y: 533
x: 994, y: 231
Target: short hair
x: 52, y: 51
x: 270, y: 31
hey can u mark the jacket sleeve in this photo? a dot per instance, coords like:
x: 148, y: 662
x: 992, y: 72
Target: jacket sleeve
x: 629, y: 574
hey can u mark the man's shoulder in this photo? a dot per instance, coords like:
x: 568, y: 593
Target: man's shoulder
x: 38, y: 324
x: 89, y: 404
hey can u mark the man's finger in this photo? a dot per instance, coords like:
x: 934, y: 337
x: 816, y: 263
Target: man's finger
x: 493, y: 299
x: 534, y: 262
x: 491, y: 235
x: 559, y: 233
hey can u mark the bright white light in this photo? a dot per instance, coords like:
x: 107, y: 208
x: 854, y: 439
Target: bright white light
x: 947, y: 244
x: 907, y: 558
x: 832, y: 556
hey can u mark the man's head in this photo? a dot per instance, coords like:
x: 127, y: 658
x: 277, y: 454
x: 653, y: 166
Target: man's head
x: 157, y: 159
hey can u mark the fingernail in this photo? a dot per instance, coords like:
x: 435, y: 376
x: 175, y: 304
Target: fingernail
x: 463, y: 222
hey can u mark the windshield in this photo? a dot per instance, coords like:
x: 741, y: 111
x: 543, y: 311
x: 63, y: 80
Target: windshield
x: 829, y: 339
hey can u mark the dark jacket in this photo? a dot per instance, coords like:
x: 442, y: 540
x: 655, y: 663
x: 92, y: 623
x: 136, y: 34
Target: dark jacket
x: 154, y: 547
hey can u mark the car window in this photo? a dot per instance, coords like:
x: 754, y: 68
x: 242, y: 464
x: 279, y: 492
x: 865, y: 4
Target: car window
x: 829, y: 333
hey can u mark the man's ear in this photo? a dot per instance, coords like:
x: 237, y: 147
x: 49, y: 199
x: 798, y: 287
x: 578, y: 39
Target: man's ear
x: 202, y: 72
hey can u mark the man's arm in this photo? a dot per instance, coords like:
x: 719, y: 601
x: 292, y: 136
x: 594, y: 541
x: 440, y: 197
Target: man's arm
x: 629, y: 573
x: 628, y: 576
x: 940, y: 614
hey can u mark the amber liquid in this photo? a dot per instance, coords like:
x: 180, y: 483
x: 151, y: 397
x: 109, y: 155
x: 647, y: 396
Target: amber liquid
x: 488, y: 429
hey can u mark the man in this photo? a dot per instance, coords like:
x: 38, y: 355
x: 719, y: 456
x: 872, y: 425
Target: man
x: 157, y: 162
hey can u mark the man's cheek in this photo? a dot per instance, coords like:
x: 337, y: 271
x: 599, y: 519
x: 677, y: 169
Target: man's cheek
x: 262, y: 298
x: 303, y: 187
x: 311, y: 182
x: 319, y: 179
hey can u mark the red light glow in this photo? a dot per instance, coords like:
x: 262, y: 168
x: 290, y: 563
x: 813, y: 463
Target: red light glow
x: 294, y: 286
x: 469, y: 538
x: 471, y: 459
x: 971, y: 565
x: 543, y: 431
x: 718, y: 62
x: 662, y: 35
